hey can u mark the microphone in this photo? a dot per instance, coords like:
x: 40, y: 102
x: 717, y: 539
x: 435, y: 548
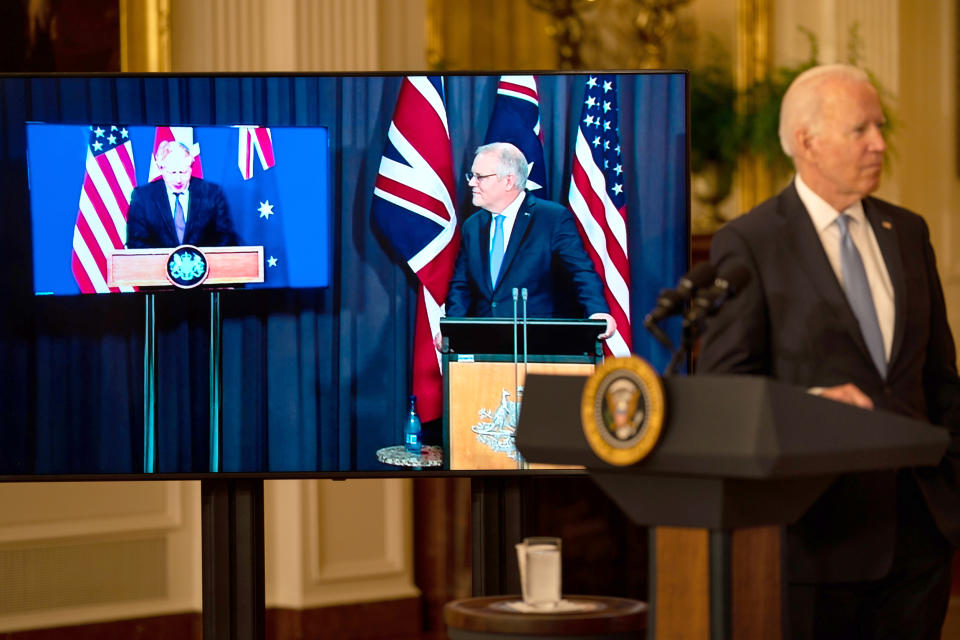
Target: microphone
x: 708, y: 301
x: 670, y: 301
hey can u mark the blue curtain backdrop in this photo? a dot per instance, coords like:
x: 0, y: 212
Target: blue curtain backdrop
x: 313, y: 379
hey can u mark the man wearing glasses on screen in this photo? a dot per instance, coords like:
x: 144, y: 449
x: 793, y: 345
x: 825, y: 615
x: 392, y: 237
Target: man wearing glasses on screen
x: 518, y: 241
x: 178, y: 209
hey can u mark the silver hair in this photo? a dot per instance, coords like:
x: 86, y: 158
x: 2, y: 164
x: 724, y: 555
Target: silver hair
x: 165, y: 148
x: 510, y: 161
x: 803, y: 100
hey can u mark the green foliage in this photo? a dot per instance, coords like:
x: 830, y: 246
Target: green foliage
x: 721, y: 132
x: 716, y: 126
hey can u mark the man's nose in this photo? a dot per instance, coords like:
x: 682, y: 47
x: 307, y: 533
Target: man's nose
x: 877, y: 143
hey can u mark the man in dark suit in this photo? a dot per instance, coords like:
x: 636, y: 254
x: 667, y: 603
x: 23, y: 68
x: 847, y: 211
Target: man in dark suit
x: 520, y: 241
x: 177, y: 209
x: 845, y: 300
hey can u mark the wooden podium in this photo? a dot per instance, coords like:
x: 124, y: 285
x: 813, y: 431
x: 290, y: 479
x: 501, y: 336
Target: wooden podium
x: 485, y: 363
x: 148, y: 267
x: 739, y: 457
x: 156, y: 269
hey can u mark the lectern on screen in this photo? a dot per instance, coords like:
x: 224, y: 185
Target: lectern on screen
x: 352, y: 188
x: 533, y: 337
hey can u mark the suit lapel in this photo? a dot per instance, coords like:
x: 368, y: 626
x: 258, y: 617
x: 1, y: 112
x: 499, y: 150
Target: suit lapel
x: 163, y: 211
x: 520, y: 225
x: 194, y: 208
x: 886, y: 235
x: 804, y: 241
x: 484, y: 249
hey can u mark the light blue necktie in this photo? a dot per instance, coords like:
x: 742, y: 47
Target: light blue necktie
x: 857, y: 288
x: 179, y: 220
x: 496, y: 248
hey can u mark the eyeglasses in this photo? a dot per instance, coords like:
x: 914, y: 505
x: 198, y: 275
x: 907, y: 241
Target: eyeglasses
x: 477, y: 176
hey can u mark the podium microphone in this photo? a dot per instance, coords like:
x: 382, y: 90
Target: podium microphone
x: 517, y: 389
x: 708, y: 301
x: 516, y: 358
x: 670, y: 301
x: 523, y: 296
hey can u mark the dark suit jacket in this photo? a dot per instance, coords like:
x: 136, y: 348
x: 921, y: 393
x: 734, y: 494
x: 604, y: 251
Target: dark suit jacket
x: 545, y: 254
x: 793, y: 322
x: 150, y: 222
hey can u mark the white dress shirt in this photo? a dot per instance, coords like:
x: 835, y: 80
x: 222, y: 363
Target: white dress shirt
x: 824, y: 219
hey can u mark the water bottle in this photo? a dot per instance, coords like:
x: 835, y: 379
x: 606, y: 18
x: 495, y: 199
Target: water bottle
x: 411, y: 429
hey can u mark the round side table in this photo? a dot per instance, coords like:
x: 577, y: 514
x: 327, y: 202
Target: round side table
x: 491, y: 618
x: 430, y: 456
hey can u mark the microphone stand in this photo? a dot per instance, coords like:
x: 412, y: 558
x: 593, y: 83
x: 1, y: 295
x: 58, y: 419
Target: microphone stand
x: 516, y: 374
x: 678, y: 354
x: 521, y: 461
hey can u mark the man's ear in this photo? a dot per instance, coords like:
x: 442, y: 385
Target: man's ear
x: 803, y: 142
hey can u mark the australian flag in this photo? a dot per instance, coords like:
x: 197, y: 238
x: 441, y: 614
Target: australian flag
x: 516, y: 119
x: 256, y: 205
x: 413, y: 208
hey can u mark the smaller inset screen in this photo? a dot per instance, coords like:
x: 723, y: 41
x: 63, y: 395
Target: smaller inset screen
x: 104, y: 188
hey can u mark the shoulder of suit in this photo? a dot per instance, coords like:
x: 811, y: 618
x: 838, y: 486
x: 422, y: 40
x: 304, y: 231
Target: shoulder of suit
x: 889, y: 209
x: 541, y: 206
x: 761, y: 219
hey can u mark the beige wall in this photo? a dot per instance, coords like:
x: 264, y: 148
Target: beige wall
x: 81, y: 552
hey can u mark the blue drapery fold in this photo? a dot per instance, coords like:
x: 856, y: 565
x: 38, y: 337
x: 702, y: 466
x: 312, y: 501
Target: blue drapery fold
x: 313, y: 380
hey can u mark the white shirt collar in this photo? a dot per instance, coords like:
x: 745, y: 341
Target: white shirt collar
x: 821, y: 212
x: 513, y: 208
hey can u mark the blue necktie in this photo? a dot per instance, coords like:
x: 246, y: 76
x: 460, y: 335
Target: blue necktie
x: 857, y: 288
x: 496, y: 248
x: 179, y: 220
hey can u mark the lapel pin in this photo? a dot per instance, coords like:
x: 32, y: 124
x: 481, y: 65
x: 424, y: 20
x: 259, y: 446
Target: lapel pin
x: 886, y: 224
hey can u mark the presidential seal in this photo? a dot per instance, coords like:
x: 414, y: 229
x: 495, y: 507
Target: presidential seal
x: 187, y: 267
x: 622, y: 410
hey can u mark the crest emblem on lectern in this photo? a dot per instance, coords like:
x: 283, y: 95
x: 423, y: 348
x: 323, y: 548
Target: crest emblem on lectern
x: 622, y: 410
x: 187, y: 267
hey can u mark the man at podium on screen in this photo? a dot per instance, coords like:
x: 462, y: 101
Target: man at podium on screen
x: 519, y: 241
x: 178, y: 209
x: 846, y: 301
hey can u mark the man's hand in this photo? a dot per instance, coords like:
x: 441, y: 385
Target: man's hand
x: 849, y: 393
x: 611, y: 324
x: 438, y: 341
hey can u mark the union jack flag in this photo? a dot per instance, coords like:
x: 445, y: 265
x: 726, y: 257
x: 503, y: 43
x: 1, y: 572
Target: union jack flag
x: 413, y: 207
x: 101, y: 225
x: 183, y: 135
x: 516, y: 119
x: 598, y: 201
x: 255, y: 142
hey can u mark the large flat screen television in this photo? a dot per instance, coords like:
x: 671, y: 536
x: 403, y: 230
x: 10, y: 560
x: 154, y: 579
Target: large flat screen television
x: 351, y: 192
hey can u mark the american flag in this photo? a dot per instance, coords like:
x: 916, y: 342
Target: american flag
x: 516, y: 119
x: 180, y: 134
x: 598, y: 202
x: 101, y: 225
x: 413, y: 207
